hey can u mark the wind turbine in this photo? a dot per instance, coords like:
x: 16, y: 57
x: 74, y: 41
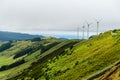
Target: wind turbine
x: 88, y: 26
x: 83, y: 30
x: 98, y: 21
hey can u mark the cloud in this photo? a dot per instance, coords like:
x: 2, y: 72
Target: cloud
x: 38, y: 15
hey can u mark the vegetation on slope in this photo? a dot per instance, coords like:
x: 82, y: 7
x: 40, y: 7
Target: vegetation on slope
x: 55, y: 51
x: 10, y: 64
x: 77, y: 62
x: 112, y: 74
x: 5, y: 46
x: 53, y: 59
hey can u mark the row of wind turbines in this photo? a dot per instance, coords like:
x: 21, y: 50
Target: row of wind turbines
x: 88, y: 29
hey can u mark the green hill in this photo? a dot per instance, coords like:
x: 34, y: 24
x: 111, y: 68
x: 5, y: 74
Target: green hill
x: 24, y: 50
x: 66, y: 60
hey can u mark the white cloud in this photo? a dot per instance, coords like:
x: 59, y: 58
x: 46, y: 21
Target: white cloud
x: 37, y: 15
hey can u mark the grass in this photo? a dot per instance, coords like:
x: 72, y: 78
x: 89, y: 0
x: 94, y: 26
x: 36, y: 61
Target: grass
x: 101, y: 72
x: 6, y: 57
x: 32, y: 56
x: 69, y: 60
x: 17, y: 70
x: 77, y: 62
x: 52, y: 52
x: 18, y: 46
x: 5, y: 60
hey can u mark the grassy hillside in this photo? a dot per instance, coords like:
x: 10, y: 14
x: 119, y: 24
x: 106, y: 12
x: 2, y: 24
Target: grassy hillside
x: 112, y: 74
x: 27, y: 50
x: 45, y: 56
x: 81, y: 61
x: 30, y: 51
x: 54, y: 59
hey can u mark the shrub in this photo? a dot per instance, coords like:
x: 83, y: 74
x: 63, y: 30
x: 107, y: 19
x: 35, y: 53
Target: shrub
x: 17, y: 63
x: 5, y: 46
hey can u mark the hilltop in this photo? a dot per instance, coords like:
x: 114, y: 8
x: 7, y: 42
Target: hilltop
x: 55, y: 59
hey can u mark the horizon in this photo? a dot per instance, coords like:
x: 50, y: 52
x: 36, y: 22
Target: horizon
x: 61, y: 34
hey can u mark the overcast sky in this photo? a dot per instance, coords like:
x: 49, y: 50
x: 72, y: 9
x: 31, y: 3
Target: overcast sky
x: 34, y: 16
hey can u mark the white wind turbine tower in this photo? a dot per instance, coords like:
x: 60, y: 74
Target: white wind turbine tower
x: 83, y: 28
x: 98, y: 21
x: 88, y: 26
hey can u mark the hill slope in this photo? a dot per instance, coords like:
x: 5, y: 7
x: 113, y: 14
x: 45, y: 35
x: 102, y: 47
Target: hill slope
x: 81, y: 61
x: 54, y: 59
x: 6, y: 36
x: 112, y: 74
x: 21, y: 54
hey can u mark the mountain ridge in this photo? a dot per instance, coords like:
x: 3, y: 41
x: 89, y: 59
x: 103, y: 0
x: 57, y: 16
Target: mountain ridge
x: 7, y: 36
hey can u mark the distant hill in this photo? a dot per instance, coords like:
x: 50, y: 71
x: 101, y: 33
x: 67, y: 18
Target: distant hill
x: 63, y: 38
x: 6, y: 36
